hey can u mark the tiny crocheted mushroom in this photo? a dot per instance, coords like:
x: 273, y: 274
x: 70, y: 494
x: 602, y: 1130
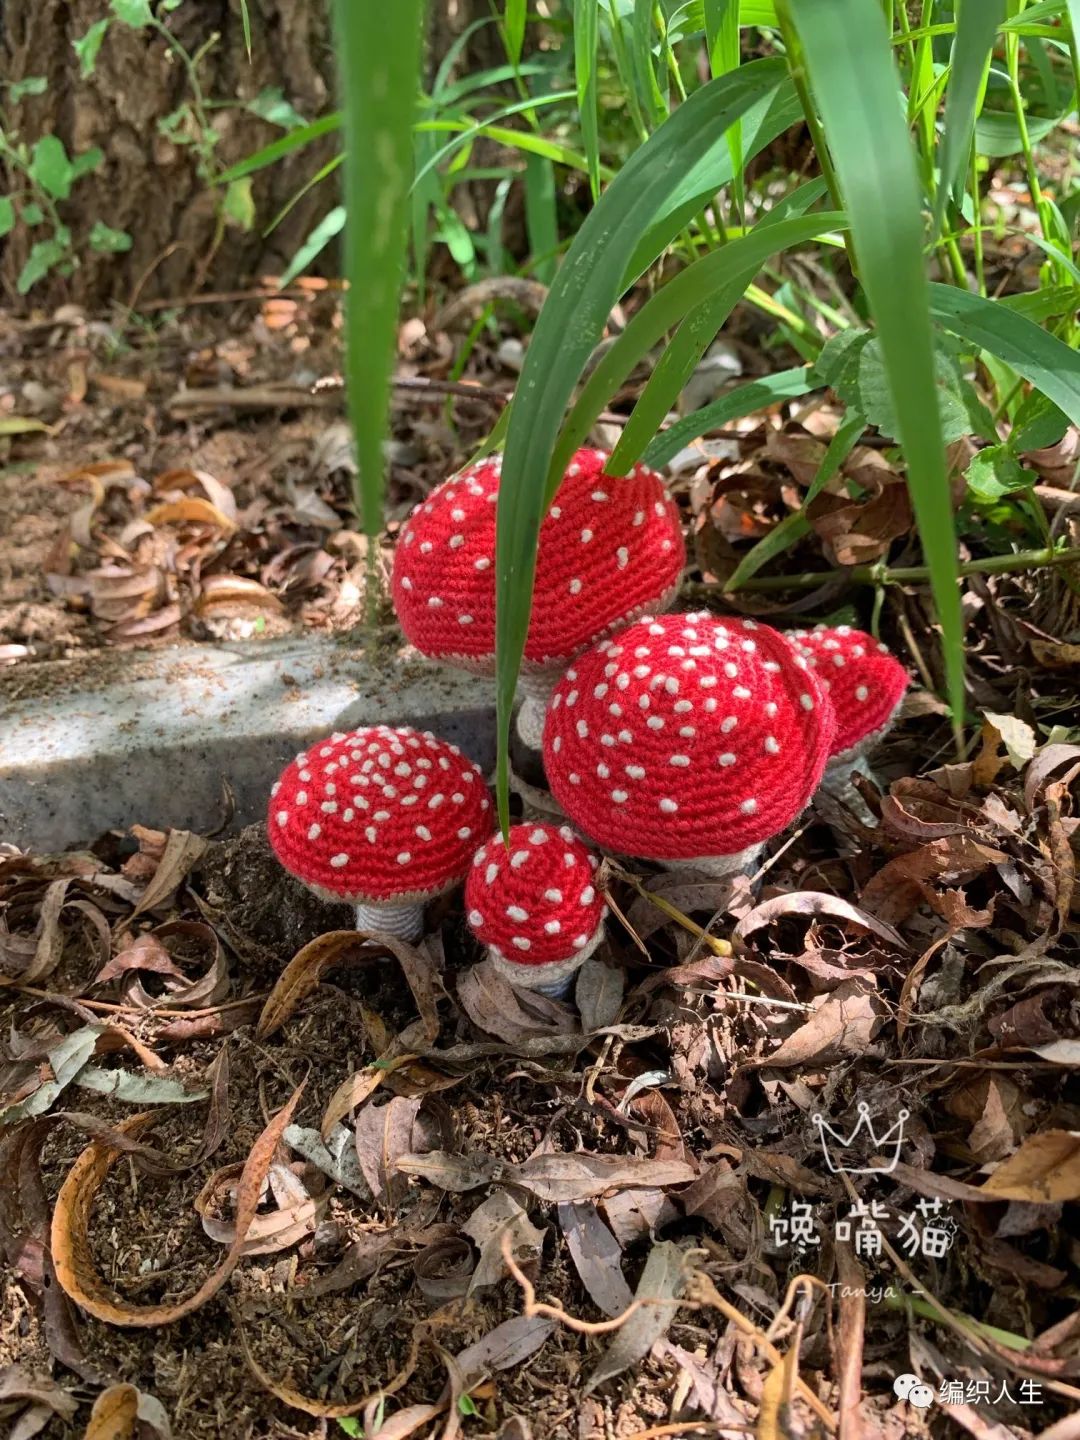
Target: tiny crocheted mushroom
x: 535, y: 905
x: 380, y: 818
x: 865, y: 683
x: 609, y: 548
x: 687, y: 738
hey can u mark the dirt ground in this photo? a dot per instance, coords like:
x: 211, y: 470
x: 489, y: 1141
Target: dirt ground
x: 926, y: 963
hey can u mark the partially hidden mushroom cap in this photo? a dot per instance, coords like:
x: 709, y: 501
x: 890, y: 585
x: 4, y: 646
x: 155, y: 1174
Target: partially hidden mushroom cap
x: 379, y: 814
x: 687, y: 736
x: 609, y: 548
x: 864, y: 681
x: 535, y: 900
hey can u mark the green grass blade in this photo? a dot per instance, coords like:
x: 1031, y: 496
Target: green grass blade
x: 330, y: 225
x: 711, y: 285
x: 572, y: 320
x: 972, y: 48
x: 744, y: 400
x: 523, y: 140
x: 379, y: 56
x: 694, y: 336
x: 849, y: 61
x: 585, y: 43
x: 515, y: 29
x: 468, y: 130
x: 541, y: 222
x: 277, y: 149
x: 649, y: 91
x: 1046, y: 362
x: 722, y: 40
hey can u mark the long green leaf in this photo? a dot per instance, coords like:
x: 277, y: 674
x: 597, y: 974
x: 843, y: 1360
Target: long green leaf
x: 972, y: 48
x: 849, y: 61
x: 515, y: 29
x: 379, y: 54
x: 278, y: 149
x: 330, y: 225
x: 1048, y: 363
x: 744, y: 400
x: 541, y: 222
x: 694, y: 336
x: 712, y: 286
x: 651, y: 95
x: 586, y: 31
x: 571, y: 322
x: 722, y: 39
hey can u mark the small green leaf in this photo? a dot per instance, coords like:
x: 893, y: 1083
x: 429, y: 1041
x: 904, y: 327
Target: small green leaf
x: 315, y: 244
x: 32, y: 214
x: 515, y: 29
x: 238, y: 206
x: 51, y: 168
x: 43, y: 256
x: 7, y: 215
x: 838, y: 364
x: 87, y: 48
x: 1039, y: 423
x: 86, y: 162
x: 350, y: 1425
x: 270, y: 105
x: 467, y: 1406
x: 107, y: 241
x: 876, y: 401
x: 995, y: 472
x: 135, y: 13
x: 30, y: 85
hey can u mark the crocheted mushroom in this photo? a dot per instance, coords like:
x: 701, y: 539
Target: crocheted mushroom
x: 535, y: 905
x: 866, y: 684
x: 609, y: 548
x: 383, y: 819
x: 691, y: 738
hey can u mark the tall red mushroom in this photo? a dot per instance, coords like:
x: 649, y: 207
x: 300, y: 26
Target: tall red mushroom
x: 609, y: 549
x: 383, y: 819
x: 534, y: 903
x: 688, y: 738
x: 865, y: 683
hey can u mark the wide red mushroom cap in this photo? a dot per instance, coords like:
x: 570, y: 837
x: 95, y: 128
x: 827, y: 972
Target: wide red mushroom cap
x: 535, y: 901
x: 864, y: 681
x: 379, y: 814
x: 686, y: 737
x: 609, y: 548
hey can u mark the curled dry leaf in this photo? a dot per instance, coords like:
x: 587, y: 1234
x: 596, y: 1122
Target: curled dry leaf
x: 352, y: 1093
x: 497, y: 1008
x: 661, y: 1282
x: 599, y: 993
x: 183, y: 851
x: 192, y: 510
x: 1044, y: 1171
x: 897, y: 888
x: 270, y: 1232
x: 385, y: 1134
x: 844, y: 1022
x: 500, y: 1215
x: 70, y: 1234
x: 815, y: 903
x: 347, y: 947
x: 444, y: 1269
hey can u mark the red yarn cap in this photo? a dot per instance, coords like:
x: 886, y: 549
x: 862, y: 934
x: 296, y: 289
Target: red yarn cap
x: 379, y: 814
x: 608, y: 549
x: 536, y: 901
x: 686, y: 737
x: 864, y: 680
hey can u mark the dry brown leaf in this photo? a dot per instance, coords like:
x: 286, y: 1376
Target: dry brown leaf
x: 582, y: 1176
x: 72, y: 1251
x: 597, y: 1256
x: 816, y: 903
x: 1044, y: 1171
x: 123, y: 1413
x: 661, y: 1282
x: 897, y: 888
x: 384, y: 1134
x: 18, y: 1384
x: 501, y: 1216
x: 455, y: 1173
x: 844, y: 1022
x: 305, y: 970
x: 599, y: 993
x: 352, y: 1093
x: 183, y: 850
x: 190, y: 511
x: 494, y: 1006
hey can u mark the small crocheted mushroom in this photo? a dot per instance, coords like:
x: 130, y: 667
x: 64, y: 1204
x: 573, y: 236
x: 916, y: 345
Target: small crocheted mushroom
x: 383, y: 819
x: 689, y: 738
x: 535, y: 905
x: 609, y: 548
x: 866, y: 684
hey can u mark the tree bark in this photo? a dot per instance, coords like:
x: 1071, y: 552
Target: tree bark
x: 149, y: 185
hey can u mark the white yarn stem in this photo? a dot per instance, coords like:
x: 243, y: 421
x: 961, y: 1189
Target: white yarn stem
x: 717, y: 867
x: 839, y: 783
x: 404, y: 919
x: 535, y: 691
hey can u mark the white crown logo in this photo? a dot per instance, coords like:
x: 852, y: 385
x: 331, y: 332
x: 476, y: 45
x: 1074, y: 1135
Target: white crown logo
x: 887, y: 1144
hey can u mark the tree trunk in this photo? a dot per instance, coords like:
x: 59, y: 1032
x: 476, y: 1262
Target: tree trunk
x: 149, y: 184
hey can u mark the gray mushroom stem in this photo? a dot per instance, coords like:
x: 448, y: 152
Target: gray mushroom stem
x: 403, y: 919
x: 838, y: 782
x: 535, y: 690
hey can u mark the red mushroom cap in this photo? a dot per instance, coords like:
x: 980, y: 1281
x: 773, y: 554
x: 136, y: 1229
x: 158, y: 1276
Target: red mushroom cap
x: 686, y: 737
x: 379, y: 814
x: 864, y: 681
x: 608, y: 549
x: 536, y: 901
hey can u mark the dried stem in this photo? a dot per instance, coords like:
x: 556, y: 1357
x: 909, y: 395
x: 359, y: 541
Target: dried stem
x: 883, y: 575
x: 717, y: 946
x: 531, y: 1306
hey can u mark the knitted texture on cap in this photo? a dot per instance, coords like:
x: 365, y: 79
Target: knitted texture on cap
x: 535, y: 901
x: 687, y: 736
x: 864, y: 681
x: 608, y: 549
x: 379, y: 814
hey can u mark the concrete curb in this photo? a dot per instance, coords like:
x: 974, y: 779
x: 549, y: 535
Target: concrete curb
x: 121, y: 737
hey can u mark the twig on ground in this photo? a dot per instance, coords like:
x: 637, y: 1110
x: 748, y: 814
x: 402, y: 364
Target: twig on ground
x: 716, y: 945
x: 531, y: 1306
